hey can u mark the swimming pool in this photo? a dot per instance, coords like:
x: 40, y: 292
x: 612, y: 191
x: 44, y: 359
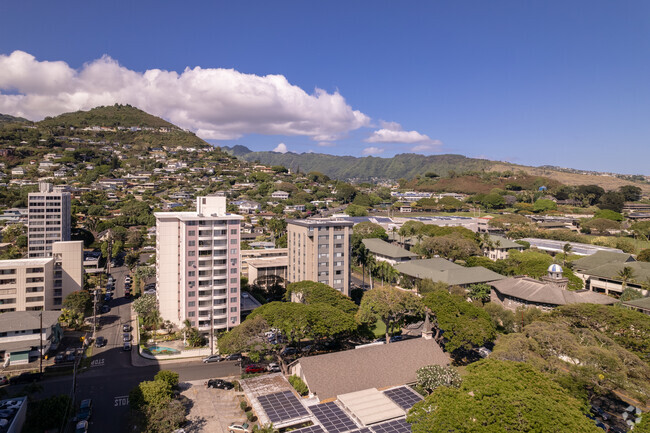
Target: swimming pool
x: 161, y: 350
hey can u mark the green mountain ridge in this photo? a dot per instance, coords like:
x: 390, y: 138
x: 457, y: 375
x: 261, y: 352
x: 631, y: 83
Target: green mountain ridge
x: 404, y: 165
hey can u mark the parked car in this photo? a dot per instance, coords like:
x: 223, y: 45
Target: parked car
x: 239, y: 428
x: 220, y: 384
x: 126, y: 337
x: 273, y: 367
x: 59, y: 358
x: 288, y: 351
x: 127, y: 280
x: 4, y: 380
x: 100, y: 342
x: 81, y: 427
x: 127, y: 347
x: 25, y: 378
x: 107, y: 298
x: 149, y: 292
x: 105, y: 309
x: 85, y: 410
x: 212, y: 358
x: 254, y: 369
x: 395, y: 338
x: 233, y: 357
x: 126, y: 327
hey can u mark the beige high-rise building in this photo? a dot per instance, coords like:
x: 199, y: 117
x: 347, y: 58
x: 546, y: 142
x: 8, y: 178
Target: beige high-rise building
x: 41, y: 283
x: 319, y: 250
x: 198, y: 265
x: 48, y: 219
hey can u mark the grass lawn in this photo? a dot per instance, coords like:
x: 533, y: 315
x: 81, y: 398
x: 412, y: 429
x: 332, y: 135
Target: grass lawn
x: 379, y: 329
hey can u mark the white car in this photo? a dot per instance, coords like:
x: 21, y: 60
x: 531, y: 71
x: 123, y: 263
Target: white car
x: 273, y: 367
x: 239, y: 428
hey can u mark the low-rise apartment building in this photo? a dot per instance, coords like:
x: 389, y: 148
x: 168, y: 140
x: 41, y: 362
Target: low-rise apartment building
x: 41, y: 283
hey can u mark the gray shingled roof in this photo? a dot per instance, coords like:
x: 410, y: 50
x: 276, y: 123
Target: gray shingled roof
x: 19, y: 320
x: 600, y: 258
x: 438, y: 269
x: 379, y: 366
x: 532, y: 290
x: 377, y: 246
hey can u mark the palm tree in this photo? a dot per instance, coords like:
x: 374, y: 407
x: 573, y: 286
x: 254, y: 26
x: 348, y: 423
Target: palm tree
x: 187, y: 325
x: 625, y: 274
x: 566, y: 249
x: 371, y: 264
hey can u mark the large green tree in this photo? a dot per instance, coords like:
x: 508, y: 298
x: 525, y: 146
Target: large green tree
x: 460, y: 325
x: 311, y: 292
x: 391, y: 306
x: 78, y: 302
x: 500, y: 396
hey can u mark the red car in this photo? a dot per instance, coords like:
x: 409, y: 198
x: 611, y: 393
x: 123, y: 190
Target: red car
x: 254, y: 369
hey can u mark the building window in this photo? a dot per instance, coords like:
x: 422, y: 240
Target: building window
x: 191, y: 294
x: 191, y: 243
x: 191, y: 233
x: 233, y: 299
x: 233, y: 251
x: 191, y: 304
x: 233, y: 231
x: 191, y: 263
x: 233, y: 290
x: 233, y: 309
x: 233, y: 270
x: 233, y: 281
x: 233, y: 241
x: 191, y: 273
x: 191, y: 253
x: 191, y: 314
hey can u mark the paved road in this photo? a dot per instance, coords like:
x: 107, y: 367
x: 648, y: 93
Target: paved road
x: 112, y: 374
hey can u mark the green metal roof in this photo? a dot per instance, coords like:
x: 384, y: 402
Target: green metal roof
x: 377, y: 246
x: 505, y: 243
x: 600, y: 258
x: 640, y: 271
x: 438, y: 269
x: 643, y: 303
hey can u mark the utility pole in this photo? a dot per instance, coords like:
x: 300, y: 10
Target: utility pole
x: 212, y: 329
x: 94, y: 312
x: 40, y: 334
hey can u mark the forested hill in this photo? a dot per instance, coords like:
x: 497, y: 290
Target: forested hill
x: 5, y: 118
x: 405, y: 165
x: 109, y: 116
x: 101, y: 125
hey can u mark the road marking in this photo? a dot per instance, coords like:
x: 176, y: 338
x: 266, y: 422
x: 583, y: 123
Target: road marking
x: 122, y: 401
x: 97, y: 362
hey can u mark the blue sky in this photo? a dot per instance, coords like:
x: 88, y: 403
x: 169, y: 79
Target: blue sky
x: 530, y: 82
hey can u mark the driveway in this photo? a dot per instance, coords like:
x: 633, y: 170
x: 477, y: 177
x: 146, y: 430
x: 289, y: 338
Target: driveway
x: 212, y: 410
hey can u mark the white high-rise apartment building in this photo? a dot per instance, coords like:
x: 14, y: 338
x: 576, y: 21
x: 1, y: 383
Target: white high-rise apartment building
x: 48, y: 219
x: 198, y: 265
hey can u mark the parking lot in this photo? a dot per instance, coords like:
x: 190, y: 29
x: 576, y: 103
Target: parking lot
x: 211, y: 409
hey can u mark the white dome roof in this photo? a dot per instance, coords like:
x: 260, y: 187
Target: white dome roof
x: 555, y: 268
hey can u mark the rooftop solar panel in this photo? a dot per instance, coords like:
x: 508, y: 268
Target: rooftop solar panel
x: 282, y: 406
x: 362, y: 430
x: 332, y: 417
x: 395, y: 426
x: 403, y: 396
x: 310, y: 429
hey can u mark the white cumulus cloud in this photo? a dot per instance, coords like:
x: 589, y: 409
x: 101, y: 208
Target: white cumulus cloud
x: 392, y: 132
x: 282, y: 148
x: 372, y: 150
x: 215, y: 103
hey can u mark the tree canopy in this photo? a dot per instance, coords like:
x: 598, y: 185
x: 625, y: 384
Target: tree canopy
x: 311, y: 292
x: 390, y: 305
x: 78, y: 301
x: 500, y: 396
x: 460, y: 324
